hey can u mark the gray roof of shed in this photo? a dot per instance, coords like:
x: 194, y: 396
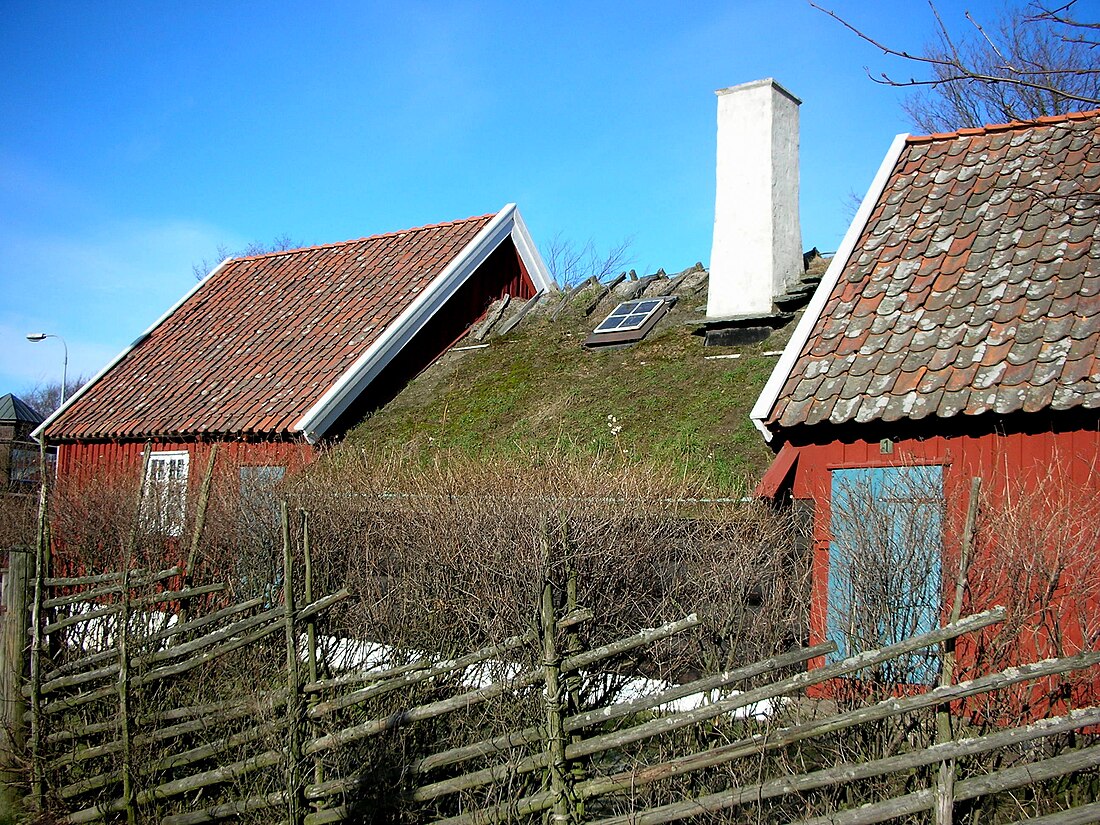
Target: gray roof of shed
x: 14, y: 408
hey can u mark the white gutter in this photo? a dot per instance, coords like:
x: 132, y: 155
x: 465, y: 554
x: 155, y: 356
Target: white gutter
x: 37, y: 434
x: 506, y: 223
x: 770, y: 394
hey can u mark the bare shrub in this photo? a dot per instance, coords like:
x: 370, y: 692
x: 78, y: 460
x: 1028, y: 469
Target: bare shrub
x: 1038, y: 554
x: 455, y: 553
x: 885, y: 576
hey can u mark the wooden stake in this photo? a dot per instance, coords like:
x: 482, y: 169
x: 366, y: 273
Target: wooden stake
x: 311, y: 641
x: 200, y: 515
x: 552, y: 696
x: 12, y: 664
x: 125, y: 735
x: 293, y: 699
x: 196, y: 534
x: 572, y: 648
x: 41, y: 571
x: 945, y: 784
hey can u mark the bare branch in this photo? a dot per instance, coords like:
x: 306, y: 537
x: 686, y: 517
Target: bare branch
x: 1021, y: 67
x: 570, y: 264
x: 280, y: 243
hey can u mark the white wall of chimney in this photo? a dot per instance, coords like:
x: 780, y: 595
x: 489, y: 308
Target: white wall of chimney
x: 757, y: 249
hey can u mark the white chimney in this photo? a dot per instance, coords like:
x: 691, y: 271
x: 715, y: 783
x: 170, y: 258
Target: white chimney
x: 757, y: 251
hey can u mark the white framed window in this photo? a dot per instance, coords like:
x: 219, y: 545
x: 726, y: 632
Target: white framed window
x: 164, y: 498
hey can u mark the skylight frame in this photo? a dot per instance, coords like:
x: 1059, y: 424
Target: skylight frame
x: 631, y: 314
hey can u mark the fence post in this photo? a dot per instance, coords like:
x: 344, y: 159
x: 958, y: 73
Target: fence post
x: 945, y: 785
x: 13, y: 662
x: 573, y: 680
x: 554, y: 693
x: 124, y: 698
x: 125, y: 732
x: 293, y: 710
x: 311, y: 651
x: 41, y: 569
x: 196, y: 534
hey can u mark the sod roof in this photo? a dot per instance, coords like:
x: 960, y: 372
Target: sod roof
x: 535, y: 388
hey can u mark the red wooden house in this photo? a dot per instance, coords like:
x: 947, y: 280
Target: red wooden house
x: 272, y: 354
x: 955, y: 335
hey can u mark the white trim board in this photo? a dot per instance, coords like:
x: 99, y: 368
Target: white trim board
x: 348, y: 387
x: 770, y: 394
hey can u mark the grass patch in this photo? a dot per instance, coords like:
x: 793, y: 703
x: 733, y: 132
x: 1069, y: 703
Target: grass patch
x: 538, y: 390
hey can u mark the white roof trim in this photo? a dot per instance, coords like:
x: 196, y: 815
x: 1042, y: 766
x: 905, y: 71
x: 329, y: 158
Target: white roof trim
x: 764, y: 404
x: 40, y: 429
x: 529, y: 253
x: 506, y: 223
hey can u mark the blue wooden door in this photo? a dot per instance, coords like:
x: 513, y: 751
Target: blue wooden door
x: 885, y: 577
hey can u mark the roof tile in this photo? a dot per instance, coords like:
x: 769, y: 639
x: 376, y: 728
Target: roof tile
x: 979, y: 271
x: 263, y: 338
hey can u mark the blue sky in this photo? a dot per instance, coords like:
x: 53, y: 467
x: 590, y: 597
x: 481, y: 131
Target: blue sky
x: 138, y: 137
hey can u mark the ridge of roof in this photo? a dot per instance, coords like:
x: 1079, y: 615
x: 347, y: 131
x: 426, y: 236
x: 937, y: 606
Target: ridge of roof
x: 392, y: 234
x: 993, y: 128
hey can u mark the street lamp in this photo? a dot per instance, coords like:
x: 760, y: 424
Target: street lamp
x: 42, y: 336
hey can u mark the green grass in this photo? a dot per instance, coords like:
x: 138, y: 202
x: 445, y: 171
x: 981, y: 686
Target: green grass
x: 538, y: 390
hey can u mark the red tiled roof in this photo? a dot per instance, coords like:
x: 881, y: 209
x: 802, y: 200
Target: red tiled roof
x: 263, y: 338
x: 974, y: 287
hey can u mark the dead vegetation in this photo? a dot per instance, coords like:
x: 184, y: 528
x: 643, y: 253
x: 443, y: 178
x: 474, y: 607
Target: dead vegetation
x: 445, y: 557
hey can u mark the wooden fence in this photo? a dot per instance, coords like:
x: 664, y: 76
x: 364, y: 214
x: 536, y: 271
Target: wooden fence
x: 138, y: 709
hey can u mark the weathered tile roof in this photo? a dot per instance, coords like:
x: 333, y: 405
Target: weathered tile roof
x: 974, y: 287
x: 263, y: 338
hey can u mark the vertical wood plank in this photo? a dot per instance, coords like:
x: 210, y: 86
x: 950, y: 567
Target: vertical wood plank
x: 311, y: 640
x: 41, y: 570
x: 945, y: 785
x: 553, y: 693
x: 123, y: 631
x: 13, y: 664
x: 293, y: 683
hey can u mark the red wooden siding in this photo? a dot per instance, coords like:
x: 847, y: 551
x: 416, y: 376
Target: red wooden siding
x: 88, y: 462
x: 1023, y: 460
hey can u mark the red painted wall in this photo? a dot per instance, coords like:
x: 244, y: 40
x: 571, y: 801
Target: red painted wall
x: 1036, y: 455
x: 92, y: 460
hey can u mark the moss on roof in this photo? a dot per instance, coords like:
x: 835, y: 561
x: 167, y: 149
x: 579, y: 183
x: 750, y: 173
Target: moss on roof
x: 537, y: 389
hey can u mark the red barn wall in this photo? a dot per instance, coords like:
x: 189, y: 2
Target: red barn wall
x: 1034, y: 455
x: 88, y: 461
x: 85, y: 463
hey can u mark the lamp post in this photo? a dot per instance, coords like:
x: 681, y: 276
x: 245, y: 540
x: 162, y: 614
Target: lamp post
x: 42, y: 336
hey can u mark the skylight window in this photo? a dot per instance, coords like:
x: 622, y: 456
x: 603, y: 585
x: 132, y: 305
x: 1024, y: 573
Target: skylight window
x: 629, y: 316
x: 630, y: 321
